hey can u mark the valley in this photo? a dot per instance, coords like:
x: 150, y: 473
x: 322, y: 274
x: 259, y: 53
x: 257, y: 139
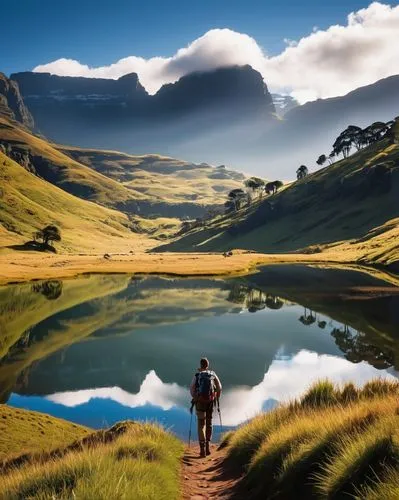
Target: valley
x: 141, y: 231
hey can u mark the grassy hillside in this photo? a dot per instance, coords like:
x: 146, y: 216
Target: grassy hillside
x: 28, y: 203
x: 61, y: 170
x: 129, y: 460
x: 161, y: 179
x: 148, y: 185
x: 353, y: 200
x: 23, y: 431
x: 334, y: 442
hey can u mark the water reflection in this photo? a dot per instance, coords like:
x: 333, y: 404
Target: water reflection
x: 102, y: 348
x: 285, y: 379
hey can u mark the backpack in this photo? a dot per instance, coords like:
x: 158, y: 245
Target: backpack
x: 205, y: 386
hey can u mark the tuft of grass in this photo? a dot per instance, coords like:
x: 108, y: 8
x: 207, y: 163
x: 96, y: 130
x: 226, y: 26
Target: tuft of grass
x: 385, y: 487
x: 356, y: 459
x: 379, y: 388
x: 349, y: 393
x: 322, y: 393
x: 330, y: 443
x: 244, y: 442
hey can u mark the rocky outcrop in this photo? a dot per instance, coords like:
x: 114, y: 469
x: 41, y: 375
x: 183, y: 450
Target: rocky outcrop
x: 87, y: 91
x: 11, y: 102
x: 238, y: 88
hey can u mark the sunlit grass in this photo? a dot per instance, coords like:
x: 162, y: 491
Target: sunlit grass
x: 23, y: 431
x: 141, y: 463
x: 331, y: 442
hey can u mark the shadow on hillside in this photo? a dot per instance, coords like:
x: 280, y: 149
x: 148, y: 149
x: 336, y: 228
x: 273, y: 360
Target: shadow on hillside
x: 33, y: 246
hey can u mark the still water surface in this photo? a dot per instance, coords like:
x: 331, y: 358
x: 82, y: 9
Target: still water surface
x: 100, y: 349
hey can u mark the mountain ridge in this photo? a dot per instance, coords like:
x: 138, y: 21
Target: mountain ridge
x: 98, y: 113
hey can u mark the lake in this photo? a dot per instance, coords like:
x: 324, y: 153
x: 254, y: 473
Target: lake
x: 104, y: 348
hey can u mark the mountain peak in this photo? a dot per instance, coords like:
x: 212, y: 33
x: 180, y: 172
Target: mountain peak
x: 238, y: 86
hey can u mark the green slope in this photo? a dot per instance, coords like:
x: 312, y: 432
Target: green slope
x: 354, y: 200
x: 23, y: 431
x: 149, y: 186
x: 161, y: 177
x: 59, y: 169
x: 28, y: 203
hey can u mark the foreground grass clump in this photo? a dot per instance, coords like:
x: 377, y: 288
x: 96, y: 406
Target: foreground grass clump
x: 130, y: 460
x: 333, y: 442
x: 23, y: 431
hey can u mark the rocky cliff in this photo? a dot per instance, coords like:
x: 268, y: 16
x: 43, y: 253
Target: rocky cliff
x: 119, y: 114
x: 11, y: 102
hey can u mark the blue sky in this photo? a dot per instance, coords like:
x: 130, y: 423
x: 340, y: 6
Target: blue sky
x: 99, y: 32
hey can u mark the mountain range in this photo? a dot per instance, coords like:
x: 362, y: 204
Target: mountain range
x: 222, y: 116
x: 120, y: 114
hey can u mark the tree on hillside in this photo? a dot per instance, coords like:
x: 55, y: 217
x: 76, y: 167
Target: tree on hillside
x: 49, y: 234
x: 375, y: 132
x: 237, y: 197
x: 321, y: 160
x: 356, y: 136
x: 331, y: 157
x: 359, y: 138
x: 255, y: 183
x: 342, y: 144
x: 273, y: 187
x: 302, y: 172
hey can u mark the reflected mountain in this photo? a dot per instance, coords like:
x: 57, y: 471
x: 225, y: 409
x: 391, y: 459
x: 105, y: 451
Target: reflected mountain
x: 112, y: 331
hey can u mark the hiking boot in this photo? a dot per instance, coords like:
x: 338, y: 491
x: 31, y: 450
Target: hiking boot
x: 202, y: 450
x: 207, y: 449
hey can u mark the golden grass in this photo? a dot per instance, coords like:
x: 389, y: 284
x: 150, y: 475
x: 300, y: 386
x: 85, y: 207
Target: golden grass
x: 142, y: 462
x: 23, y: 431
x: 331, y: 443
x: 160, y: 178
x: 28, y: 203
x: 71, y: 175
x: 25, y: 266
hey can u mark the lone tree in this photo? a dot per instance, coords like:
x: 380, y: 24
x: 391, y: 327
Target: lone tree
x: 236, y: 197
x: 321, y: 160
x: 48, y: 235
x: 273, y: 187
x: 302, y: 172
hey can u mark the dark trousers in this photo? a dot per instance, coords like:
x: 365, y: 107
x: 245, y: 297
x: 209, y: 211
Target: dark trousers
x: 204, y: 421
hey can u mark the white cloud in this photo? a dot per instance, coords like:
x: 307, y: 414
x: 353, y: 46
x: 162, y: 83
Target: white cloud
x: 322, y: 64
x: 285, y: 379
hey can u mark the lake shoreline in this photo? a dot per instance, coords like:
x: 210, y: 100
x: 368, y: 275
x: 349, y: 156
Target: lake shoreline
x: 18, y: 267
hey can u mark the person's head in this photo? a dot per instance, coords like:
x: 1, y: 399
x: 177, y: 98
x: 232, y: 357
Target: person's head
x: 204, y: 364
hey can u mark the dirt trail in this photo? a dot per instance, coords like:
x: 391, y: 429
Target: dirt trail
x: 207, y: 478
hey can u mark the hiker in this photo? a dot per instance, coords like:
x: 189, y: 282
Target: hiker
x: 205, y: 390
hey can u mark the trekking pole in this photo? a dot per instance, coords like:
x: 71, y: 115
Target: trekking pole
x: 191, y: 422
x: 220, y: 415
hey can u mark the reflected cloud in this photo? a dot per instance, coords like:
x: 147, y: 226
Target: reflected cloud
x: 286, y: 378
x: 152, y: 391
